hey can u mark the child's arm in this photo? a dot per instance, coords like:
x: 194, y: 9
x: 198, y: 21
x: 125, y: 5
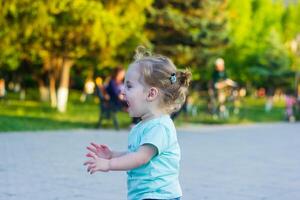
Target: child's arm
x: 134, y: 159
x: 123, y: 163
x: 116, y: 154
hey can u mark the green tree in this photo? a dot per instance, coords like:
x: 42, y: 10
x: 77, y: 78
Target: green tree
x: 12, y: 28
x: 256, y: 52
x: 18, y: 56
x: 60, y: 32
x: 291, y: 32
x: 193, y: 33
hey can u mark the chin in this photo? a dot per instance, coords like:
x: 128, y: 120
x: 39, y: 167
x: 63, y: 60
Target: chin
x: 133, y: 114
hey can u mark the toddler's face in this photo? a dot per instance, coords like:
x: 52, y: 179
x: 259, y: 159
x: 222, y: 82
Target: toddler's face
x: 135, y: 93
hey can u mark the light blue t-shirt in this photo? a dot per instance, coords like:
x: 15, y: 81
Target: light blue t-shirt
x: 157, y: 179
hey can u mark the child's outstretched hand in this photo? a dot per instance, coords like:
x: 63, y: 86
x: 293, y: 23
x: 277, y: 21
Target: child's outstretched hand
x: 100, y: 150
x: 96, y: 164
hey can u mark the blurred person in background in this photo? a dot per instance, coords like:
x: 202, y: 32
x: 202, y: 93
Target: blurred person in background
x: 115, y: 86
x: 220, y: 83
x: 2, y: 89
x: 88, y: 91
x: 290, y: 102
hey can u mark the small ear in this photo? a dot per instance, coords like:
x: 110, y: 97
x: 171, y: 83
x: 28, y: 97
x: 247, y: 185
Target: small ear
x: 152, y: 94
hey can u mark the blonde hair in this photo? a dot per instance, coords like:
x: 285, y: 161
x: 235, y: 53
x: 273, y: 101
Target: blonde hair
x: 160, y: 72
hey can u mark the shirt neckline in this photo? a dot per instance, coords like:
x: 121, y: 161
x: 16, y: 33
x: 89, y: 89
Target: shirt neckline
x: 141, y: 123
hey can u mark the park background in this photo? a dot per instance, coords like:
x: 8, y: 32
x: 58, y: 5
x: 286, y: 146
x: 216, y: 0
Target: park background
x: 49, y: 49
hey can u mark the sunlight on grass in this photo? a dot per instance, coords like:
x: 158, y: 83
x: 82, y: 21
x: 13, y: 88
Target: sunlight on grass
x: 32, y: 114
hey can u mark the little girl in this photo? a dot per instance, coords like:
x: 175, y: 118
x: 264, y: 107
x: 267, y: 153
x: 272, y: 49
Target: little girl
x: 154, y: 89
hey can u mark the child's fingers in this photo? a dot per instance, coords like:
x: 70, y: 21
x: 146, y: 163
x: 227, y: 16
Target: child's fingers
x: 99, y: 146
x: 93, y: 171
x: 90, y: 167
x: 104, y: 146
x: 92, y: 149
x: 89, y: 162
x: 95, y: 145
x: 91, y: 155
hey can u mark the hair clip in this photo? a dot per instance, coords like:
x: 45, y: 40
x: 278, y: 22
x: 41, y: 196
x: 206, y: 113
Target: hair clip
x: 173, y: 78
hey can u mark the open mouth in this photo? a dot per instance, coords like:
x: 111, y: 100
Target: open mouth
x: 127, y: 103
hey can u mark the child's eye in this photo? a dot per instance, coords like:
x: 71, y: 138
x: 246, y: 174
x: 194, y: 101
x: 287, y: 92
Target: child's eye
x: 129, y: 86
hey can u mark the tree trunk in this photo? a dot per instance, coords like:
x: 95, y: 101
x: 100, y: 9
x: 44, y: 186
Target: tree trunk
x: 52, y: 89
x: 44, y: 90
x: 63, y: 90
x: 49, y: 68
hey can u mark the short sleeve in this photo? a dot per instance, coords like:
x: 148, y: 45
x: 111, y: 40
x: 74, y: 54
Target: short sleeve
x: 157, y: 136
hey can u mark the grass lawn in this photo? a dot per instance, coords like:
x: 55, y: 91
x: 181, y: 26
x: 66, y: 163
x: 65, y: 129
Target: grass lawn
x: 30, y: 115
x: 252, y: 110
x: 16, y: 115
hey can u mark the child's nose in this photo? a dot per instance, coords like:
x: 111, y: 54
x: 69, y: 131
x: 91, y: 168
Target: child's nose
x: 123, y: 92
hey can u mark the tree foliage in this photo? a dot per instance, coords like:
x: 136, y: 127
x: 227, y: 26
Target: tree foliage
x: 259, y: 39
x: 60, y: 32
x: 258, y: 51
x: 192, y: 32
